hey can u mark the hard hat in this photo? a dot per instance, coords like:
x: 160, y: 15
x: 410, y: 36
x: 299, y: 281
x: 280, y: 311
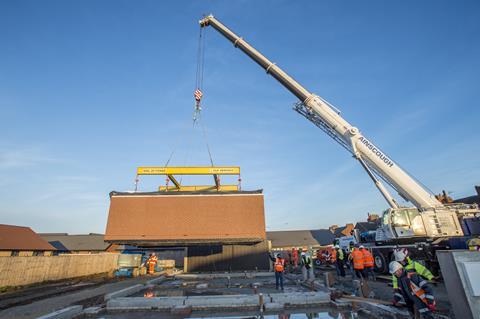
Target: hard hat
x: 394, y: 266
x: 278, y: 255
x: 361, y: 247
x: 337, y: 247
x: 153, y: 254
x: 303, y: 253
x: 400, y: 254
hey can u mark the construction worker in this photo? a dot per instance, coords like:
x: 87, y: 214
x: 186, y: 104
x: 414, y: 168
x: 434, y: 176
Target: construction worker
x: 356, y: 258
x: 349, y: 263
x: 295, y: 258
x: 151, y: 262
x: 474, y: 244
x: 279, y: 269
x: 401, y: 256
x: 339, y: 261
x: 307, y: 267
x: 368, y: 262
x: 333, y: 256
x: 413, y: 290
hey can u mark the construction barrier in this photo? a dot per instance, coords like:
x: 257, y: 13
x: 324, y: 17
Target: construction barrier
x: 18, y: 271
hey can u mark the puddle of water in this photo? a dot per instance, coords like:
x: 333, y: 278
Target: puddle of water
x: 311, y: 315
x: 298, y: 314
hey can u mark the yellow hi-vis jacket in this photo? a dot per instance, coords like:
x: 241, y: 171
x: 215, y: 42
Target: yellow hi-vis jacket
x: 419, y: 269
x: 340, y: 255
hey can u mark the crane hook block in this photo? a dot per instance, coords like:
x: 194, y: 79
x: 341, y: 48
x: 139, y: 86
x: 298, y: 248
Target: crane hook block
x: 198, y: 95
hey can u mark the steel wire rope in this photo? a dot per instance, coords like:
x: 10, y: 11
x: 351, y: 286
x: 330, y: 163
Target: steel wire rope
x: 199, y: 85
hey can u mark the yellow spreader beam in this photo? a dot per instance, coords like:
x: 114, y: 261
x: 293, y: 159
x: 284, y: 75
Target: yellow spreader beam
x: 170, y: 171
x: 192, y: 170
x: 198, y: 188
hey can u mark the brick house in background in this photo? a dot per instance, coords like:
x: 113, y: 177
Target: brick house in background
x: 22, y: 241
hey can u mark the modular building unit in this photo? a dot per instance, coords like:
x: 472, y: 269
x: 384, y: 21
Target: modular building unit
x: 221, y: 230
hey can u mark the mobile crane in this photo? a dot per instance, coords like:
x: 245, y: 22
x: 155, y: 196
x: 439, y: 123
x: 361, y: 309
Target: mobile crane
x: 429, y: 221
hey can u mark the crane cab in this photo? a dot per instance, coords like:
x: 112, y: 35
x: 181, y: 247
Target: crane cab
x: 410, y: 222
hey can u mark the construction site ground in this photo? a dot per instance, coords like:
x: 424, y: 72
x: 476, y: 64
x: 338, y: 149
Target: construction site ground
x: 382, y: 289
x: 32, y: 302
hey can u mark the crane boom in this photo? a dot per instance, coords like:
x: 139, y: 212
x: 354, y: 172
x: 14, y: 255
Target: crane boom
x: 314, y: 107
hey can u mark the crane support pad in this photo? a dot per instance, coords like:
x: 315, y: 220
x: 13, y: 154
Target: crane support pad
x: 182, y: 170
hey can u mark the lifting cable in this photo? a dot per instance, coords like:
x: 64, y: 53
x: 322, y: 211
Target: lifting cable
x: 198, y: 94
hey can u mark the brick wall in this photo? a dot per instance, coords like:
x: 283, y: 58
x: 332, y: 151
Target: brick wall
x: 16, y: 271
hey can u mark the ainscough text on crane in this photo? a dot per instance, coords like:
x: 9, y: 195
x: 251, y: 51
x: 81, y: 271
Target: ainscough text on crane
x: 376, y: 151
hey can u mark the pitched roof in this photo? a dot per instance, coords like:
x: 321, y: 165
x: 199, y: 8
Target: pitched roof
x: 344, y: 230
x: 338, y: 231
x: 366, y: 226
x: 21, y: 238
x: 475, y: 199
x: 179, y: 218
x: 292, y: 238
x: 65, y: 242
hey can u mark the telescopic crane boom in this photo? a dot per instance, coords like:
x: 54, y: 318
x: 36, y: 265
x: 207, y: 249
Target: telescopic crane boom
x: 361, y: 147
x: 325, y: 116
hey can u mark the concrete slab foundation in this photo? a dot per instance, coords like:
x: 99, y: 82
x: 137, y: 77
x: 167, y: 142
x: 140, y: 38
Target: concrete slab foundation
x: 124, y: 292
x: 202, y: 303
x: 66, y: 313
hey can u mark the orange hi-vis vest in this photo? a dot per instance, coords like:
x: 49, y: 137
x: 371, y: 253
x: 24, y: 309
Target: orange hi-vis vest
x: 357, y: 257
x: 334, y: 255
x: 367, y: 258
x: 417, y: 291
x: 279, y: 265
x: 152, y: 260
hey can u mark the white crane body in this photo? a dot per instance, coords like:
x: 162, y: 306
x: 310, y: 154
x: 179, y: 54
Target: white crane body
x: 430, y: 218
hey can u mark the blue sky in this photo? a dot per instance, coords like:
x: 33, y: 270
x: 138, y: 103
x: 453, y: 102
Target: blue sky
x: 89, y: 90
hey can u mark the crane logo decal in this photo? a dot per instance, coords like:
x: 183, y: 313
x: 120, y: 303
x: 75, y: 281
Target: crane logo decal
x: 376, y: 151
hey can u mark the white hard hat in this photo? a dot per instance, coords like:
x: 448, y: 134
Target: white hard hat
x: 394, y: 266
x: 400, y: 254
x: 361, y: 246
x: 303, y: 253
x: 337, y: 247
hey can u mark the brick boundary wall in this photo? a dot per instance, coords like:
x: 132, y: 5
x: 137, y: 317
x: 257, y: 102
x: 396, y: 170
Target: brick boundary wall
x: 17, y: 271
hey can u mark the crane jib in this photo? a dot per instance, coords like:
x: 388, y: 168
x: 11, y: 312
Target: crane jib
x: 336, y: 125
x: 376, y: 151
